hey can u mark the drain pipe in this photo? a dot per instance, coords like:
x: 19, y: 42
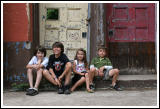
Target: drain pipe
x: 88, y: 33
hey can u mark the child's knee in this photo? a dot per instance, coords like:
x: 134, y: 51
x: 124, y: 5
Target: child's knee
x: 40, y: 70
x: 29, y: 70
x: 92, y: 69
x: 83, y: 78
x: 86, y: 74
x: 116, y: 71
x: 45, y: 72
x: 69, y: 65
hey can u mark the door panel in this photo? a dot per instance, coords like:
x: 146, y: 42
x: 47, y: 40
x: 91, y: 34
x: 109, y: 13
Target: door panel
x: 68, y: 28
x: 131, y: 22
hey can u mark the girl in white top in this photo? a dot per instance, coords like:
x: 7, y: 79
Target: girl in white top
x: 80, y: 68
x: 37, y: 63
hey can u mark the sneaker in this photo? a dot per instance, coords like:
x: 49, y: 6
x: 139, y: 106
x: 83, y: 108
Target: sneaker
x: 67, y: 91
x: 34, y: 92
x: 60, y: 90
x: 117, y: 88
x: 29, y: 91
x: 92, y: 86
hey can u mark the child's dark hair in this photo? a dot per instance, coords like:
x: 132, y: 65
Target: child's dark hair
x: 59, y: 45
x: 41, y: 49
x: 102, y: 47
x: 85, y: 58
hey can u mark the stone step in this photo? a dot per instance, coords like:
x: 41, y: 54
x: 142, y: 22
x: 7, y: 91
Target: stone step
x: 129, y: 82
x: 124, y: 81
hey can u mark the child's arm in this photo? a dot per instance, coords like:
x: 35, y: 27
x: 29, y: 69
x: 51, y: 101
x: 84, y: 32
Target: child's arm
x: 39, y: 61
x: 87, y: 69
x: 42, y: 63
x: 31, y: 63
x: 30, y: 66
x: 54, y: 76
x: 92, y: 63
x: 107, y: 66
x: 52, y: 73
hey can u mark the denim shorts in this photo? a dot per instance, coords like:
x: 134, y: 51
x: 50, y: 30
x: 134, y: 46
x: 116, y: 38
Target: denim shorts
x: 106, y: 73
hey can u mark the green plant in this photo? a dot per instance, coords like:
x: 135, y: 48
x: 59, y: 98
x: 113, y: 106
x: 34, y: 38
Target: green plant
x: 21, y: 86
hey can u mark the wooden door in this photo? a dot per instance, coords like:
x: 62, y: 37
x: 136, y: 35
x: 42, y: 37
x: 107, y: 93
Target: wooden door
x: 67, y: 24
x: 131, y: 36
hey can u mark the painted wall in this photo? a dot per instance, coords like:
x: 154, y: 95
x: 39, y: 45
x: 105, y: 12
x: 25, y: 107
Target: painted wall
x: 17, y: 43
x: 17, y: 22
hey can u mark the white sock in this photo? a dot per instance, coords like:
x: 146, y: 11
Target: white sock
x: 35, y: 89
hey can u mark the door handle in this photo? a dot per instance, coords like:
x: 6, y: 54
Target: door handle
x: 110, y: 33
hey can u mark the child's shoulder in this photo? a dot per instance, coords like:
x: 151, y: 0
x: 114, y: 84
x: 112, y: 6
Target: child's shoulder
x: 45, y: 58
x: 95, y: 58
x: 52, y: 55
x: 75, y: 61
x: 63, y: 54
x: 34, y: 57
x: 106, y: 58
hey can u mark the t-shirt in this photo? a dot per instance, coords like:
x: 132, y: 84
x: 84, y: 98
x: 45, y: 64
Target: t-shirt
x: 80, y: 67
x: 34, y: 60
x: 99, y: 62
x: 57, y: 64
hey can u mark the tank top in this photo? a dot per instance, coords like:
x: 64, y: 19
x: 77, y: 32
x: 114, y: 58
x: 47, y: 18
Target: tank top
x: 80, y: 67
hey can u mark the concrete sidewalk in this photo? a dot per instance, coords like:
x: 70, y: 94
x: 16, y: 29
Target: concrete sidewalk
x: 83, y: 98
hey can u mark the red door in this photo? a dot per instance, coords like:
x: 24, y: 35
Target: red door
x: 134, y: 22
x: 131, y: 36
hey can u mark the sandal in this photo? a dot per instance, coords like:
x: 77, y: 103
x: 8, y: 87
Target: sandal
x: 90, y: 91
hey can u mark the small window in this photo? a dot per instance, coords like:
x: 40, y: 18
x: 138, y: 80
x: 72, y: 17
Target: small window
x: 84, y: 34
x: 52, y: 14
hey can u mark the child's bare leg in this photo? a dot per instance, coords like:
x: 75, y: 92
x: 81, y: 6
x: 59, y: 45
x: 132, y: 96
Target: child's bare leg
x: 87, y: 81
x: 68, y: 73
x: 91, y: 75
x: 49, y: 77
x: 30, y: 77
x: 39, y: 77
x: 78, y: 83
x: 114, y: 73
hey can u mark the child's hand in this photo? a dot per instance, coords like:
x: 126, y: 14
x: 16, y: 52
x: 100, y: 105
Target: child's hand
x: 82, y: 74
x: 39, y: 61
x: 36, y: 66
x: 58, y: 82
x: 60, y: 78
x: 101, y: 69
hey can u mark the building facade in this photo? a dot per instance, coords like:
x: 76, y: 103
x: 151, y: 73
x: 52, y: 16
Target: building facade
x: 127, y: 30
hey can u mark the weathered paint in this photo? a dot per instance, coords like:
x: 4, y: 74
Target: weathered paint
x: 97, y: 28
x: 68, y: 29
x: 16, y: 56
x: 17, y: 24
x: 133, y: 57
x: 17, y: 48
x: 131, y: 22
x: 131, y: 37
